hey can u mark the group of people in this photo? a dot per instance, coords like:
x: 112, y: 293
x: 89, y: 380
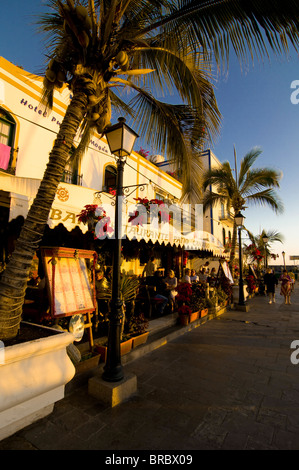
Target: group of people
x: 164, y: 289
x: 287, y: 285
x: 203, y: 275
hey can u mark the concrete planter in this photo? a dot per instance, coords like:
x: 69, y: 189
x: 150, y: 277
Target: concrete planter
x: 33, y: 376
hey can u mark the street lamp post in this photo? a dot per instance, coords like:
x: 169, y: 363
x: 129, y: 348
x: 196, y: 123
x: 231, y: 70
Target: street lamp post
x: 265, y: 240
x: 239, y: 219
x: 120, y: 138
x: 284, y: 260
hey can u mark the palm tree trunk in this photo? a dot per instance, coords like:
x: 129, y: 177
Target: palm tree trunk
x: 233, y: 250
x: 14, y: 279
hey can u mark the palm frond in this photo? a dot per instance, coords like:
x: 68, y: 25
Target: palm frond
x: 260, y: 178
x: 211, y: 199
x: 247, y: 162
x: 267, y: 197
x: 250, y: 27
x: 192, y: 181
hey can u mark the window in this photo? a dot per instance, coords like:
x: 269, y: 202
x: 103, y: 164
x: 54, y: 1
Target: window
x: 7, y: 135
x: 110, y: 178
x: 7, y: 128
x: 223, y: 236
x: 70, y: 174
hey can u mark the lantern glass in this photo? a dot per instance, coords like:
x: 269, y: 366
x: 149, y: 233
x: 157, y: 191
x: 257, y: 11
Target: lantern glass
x: 239, y: 218
x: 120, y: 138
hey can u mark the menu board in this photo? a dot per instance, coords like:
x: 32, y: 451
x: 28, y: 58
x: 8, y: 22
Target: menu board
x: 69, y: 284
x: 227, y: 272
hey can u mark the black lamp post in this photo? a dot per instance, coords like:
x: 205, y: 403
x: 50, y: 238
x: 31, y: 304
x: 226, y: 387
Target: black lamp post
x: 284, y: 259
x: 265, y: 240
x: 239, y: 219
x: 121, y: 139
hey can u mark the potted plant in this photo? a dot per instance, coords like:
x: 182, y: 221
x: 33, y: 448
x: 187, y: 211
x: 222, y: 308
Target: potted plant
x: 137, y: 218
x: 222, y: 297
x: 139, y: 329
x: 184, y: 312
x: 91, y: 215
x: 129, y: 286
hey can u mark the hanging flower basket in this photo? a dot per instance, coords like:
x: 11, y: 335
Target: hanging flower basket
x: 140, y: 217
x: 91, y: 215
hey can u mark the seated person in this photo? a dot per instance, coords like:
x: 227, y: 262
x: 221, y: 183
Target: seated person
x: 159, y: 291
x: 202, y: 274
x: 186, y: 277
x: 212, y: 277
x: 194, y: 277
x: 171, y: 283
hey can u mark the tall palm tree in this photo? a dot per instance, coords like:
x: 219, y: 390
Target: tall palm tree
x: 235, y: 190
x: 100, y: 47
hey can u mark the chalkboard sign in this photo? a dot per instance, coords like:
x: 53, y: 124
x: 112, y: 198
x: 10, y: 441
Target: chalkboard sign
x: 68, y: 280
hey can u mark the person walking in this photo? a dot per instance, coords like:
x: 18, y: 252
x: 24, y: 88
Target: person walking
x: 270, y: 282
x: 286, y: 287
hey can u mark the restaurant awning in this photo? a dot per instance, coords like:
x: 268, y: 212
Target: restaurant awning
x: 166, y: 233
x: 71, y: 199
x: 68, y: 202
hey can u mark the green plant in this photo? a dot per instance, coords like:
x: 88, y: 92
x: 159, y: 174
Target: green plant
x: 129, y: 286
x: 196, y: 302
x: 222, y: 296
x: 210, y: 302
x: 138, y: 324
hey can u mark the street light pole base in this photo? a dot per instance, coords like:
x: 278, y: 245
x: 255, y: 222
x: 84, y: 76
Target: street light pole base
x: 242, y: 308
x: 113, y: 375
x: 112, y: 393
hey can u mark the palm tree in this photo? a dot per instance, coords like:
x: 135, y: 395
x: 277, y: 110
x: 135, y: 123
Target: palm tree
x: 249, y: 185
x: 102, y: 47
x: 257, y: 242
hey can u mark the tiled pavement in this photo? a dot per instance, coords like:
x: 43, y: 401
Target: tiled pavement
x: 228, y: 384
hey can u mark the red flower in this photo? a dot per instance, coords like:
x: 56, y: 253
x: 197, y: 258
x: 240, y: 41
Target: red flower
x: 184, y: 310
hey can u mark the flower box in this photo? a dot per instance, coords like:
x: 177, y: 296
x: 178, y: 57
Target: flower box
x: 204, y: 312
x: 87, y: 364
x: 140, y: 339
x: 125, y: 348
x: 193, y: 316
x: 184, y: 319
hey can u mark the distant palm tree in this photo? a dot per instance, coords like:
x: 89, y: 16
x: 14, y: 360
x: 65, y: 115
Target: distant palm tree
x: 102, y: 48
x: 249, y: 185
x: 257, y: 242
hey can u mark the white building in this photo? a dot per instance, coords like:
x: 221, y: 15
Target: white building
x: 27, y: 133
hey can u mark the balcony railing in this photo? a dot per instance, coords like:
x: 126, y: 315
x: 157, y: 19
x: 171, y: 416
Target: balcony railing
x: 226, y: 215
x: 71, y: 178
